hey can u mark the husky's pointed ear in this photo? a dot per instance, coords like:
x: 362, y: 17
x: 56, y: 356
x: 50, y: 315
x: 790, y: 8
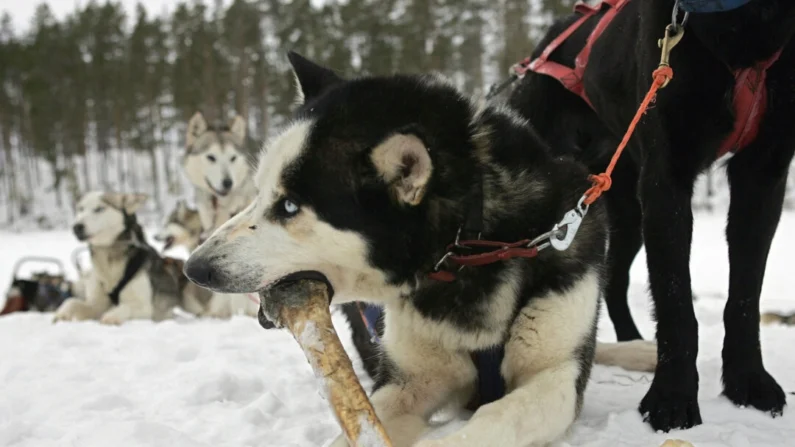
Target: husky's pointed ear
x: 129, y: 203
x: 132, y: 202
x: 404, y: 163
x: 196, y: 126
x: 237, y: 127
x: 310, y: 78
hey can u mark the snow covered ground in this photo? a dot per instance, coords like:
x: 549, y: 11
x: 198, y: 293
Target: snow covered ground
x: 191, y: 383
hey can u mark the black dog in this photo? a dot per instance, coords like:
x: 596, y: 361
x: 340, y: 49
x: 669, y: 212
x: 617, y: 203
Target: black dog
x: 675, y: 141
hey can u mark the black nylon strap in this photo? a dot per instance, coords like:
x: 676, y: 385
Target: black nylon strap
x: 136, y: 262
x: 130, y: 270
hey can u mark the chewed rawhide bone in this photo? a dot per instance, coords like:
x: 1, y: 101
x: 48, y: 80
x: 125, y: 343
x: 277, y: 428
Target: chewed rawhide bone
x: 676, y: 443
x: 303, y: 308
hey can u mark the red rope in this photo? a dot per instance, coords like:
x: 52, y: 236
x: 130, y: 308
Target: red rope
x: 602, y: 182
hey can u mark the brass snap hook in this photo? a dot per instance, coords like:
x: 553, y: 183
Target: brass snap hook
x: 673, y: 35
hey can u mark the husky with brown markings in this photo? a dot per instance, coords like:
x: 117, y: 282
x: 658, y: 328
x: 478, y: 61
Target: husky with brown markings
x: 182, y: 228
x: 366, y: 189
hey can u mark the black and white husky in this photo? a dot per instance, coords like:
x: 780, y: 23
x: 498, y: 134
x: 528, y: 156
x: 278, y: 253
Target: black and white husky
x: 128, y: 279
x: 368, y: 186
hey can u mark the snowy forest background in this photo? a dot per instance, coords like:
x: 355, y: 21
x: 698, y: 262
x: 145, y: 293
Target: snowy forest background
x: 100, y: 99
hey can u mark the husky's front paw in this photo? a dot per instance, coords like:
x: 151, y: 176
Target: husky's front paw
x: 71, y: 310
x: 62, y: 315
x: 116, y: 315
x: 111, y: 319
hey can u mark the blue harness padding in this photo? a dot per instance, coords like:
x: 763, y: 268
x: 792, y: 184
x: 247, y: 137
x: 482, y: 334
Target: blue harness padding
x: 705, y: 6
x: 371, y: 315
x: 491, y: 385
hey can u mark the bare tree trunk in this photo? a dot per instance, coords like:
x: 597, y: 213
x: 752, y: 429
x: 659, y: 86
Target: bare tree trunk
x: 160, y: 142
x: 32, y: 164
x: 155, y: 179
x: 102, y: 138
x: 120, y: 151
x: 209, y: 84
x: 132, y: 166
x: 241, y: 96
x: 83, y: 149
x: 86, y: 170
x: 103, y: 169
x: 73, y: 185
x: 9, y: 172
x: 57, y: 178
x: 263, y: 106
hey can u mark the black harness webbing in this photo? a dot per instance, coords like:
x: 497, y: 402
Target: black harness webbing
x: 135, y: 263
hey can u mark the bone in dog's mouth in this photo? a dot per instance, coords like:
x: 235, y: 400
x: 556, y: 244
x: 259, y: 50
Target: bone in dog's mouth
x: 286, y: 280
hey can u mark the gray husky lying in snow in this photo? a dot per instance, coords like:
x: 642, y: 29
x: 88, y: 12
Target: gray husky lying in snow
x: 128, y: 280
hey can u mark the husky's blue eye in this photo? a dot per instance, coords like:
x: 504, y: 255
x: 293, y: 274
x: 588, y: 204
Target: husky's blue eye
x: 99, y: 209
x: 290, y: 207
x: 211, y: 158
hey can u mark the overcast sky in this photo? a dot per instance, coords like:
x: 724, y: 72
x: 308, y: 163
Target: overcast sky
x: 22, y: 10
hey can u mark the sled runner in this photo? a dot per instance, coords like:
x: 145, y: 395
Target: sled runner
x: 42, y: 292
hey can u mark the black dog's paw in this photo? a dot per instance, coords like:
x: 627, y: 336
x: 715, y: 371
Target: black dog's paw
x: 754, y: 388
x: 667, y: 408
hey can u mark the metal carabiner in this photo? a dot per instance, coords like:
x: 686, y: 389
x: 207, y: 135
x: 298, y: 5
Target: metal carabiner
x: 563, y: 232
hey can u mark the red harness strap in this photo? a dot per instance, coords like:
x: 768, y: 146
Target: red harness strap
x: 501, y: 251
x: 750, y: 94
x: 571, y: 78
x: 750, y: 102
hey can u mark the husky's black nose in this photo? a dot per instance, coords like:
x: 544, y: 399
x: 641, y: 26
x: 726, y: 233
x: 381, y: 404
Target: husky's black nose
x: 200, y: 272
x: 227, y: 184
x: 80, y: 231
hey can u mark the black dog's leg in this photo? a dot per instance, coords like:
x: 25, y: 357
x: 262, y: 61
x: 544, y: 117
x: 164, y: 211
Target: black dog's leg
x: 671, y: 402
x: 625, y: 242
x: 757, y: 196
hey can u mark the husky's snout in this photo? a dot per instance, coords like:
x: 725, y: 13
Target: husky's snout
x: 211, y: 266
x: 203, y: 273
x: 80, y: 232
x: 226, y: 186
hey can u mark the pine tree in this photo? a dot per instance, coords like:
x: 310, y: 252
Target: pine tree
x: 10, y: 96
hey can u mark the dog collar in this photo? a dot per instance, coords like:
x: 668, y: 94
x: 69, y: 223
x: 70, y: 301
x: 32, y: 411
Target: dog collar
x: 478, y: 252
